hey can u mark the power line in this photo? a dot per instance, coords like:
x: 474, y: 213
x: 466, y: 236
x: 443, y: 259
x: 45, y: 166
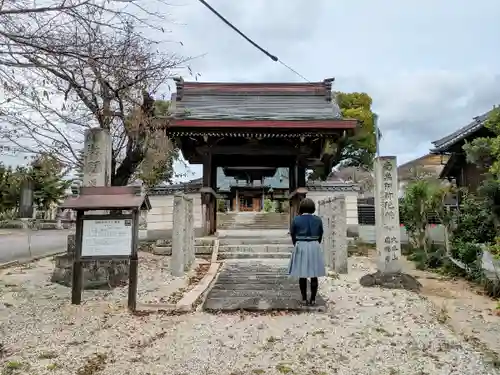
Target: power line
x: 265, y: 52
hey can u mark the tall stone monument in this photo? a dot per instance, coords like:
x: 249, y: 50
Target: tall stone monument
x: 339, y: 236
x: 387, y: 223
x: 177, y: 259
x: 389, y: 271
x: 96, y: 172
x: 97, y: 158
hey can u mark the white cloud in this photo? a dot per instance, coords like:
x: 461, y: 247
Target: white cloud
x: 429, y: 66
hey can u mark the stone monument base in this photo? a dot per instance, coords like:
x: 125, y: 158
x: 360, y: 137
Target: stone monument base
x: 97, y: 274
x: 391, y: 281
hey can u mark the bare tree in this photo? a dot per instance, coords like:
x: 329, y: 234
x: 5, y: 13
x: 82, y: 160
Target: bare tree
x: 76, y: 64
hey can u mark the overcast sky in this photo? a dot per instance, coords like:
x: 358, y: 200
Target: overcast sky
x: 430, y: 66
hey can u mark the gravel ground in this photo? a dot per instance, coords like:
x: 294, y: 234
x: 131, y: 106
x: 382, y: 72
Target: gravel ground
x: 364, y: 331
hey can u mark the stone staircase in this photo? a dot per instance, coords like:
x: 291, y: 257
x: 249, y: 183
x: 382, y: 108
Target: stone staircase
x: 252, y: 220
x: 254, y: 244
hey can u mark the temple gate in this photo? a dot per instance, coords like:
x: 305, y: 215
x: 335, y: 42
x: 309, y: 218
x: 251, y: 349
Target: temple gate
x: 253, y: 129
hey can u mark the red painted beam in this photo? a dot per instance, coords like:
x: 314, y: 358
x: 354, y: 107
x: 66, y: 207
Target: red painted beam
x: 262, y: 124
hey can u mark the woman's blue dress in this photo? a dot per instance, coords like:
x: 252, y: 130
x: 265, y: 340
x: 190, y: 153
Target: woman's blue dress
x: 307, y: 257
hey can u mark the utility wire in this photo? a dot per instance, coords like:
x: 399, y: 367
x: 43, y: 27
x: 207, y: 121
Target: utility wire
x: 265, y: 52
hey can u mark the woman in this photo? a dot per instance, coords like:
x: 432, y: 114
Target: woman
x: 307, y: 258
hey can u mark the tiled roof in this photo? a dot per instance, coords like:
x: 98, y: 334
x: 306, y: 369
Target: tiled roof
x: 441, y: 145
x: 261, y: 101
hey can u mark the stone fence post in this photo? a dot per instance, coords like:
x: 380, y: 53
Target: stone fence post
x: 333, y: 213
x: 179, y: 227
x: 339, y: 233
x: 189, y: 255
x: 182, y: 235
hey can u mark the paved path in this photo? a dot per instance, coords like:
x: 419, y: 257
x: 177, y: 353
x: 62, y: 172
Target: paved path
x: 15, y: 245
x: 256, y: 285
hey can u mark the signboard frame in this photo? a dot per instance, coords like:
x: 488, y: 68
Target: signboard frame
x: 77, y: 281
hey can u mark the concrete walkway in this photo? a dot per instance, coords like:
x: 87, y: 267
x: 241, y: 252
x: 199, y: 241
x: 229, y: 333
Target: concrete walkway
x: 256, y: 285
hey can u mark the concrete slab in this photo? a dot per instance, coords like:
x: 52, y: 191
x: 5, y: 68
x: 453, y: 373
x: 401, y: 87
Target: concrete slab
x: 255, y: 285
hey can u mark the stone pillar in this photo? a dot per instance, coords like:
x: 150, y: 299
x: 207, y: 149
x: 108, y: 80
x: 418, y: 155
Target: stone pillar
x: 189, y: 255
x: 178, y: 245
x: 320, y: 211
x: 387, y: 215
x: 59, y: 219
x: 389, y: 269
x: 339, y: 234
x: 328, y: 234
x: 143, y: 225
x: 97, y: 158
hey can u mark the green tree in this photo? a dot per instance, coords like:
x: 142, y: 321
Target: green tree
x: 9, y: 189
x: 50, y: 186
x: 357, y: 149
x: 415, y: 207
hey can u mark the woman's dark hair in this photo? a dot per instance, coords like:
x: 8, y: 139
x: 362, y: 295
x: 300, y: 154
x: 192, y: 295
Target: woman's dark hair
x: 307, y: 206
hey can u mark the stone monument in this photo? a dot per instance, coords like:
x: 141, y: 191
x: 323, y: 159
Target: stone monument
x: 178, y: 229
x: 96, y: 172
x: 339, y: 234
x: 389, y: 272
x: 332, y: 212
x: 183, y: 255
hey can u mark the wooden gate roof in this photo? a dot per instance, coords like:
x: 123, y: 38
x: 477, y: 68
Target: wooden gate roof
x: 255, y: 101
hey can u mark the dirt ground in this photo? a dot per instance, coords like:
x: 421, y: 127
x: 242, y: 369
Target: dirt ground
x: 449, y: 329
x: 463, y: 306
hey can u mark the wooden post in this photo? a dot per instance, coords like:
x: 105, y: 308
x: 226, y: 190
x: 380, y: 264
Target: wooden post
x: 301, y: 177
x: 134, y: 263
x: 293, y: 186
x: 206, y: 200
x: 77, y: 276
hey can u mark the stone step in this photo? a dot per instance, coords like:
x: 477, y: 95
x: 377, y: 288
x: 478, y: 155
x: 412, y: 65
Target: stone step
x: 255, y: 241
x: 257, y: 285
x: 253, y: 255
x: 252, y: 233
x: 251, y: 293
x: 264, y: 248
x: 252, y: 226
x: 167, y: 250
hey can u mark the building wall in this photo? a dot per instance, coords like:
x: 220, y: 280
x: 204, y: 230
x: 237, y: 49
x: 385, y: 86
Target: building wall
x: 471, y: 176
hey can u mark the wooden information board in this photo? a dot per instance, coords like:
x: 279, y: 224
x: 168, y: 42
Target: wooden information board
x: 107, y: 237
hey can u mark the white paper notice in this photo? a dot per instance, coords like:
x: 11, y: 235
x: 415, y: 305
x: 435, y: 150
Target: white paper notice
x: 107, y: 237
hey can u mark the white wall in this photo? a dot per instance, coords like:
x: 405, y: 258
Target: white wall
x: 351, y: 201
x: 160, y: 215
x: 367, y: 234
x: 160, y: 219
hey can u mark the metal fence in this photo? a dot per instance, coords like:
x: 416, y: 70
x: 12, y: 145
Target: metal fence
x: 366, y: 213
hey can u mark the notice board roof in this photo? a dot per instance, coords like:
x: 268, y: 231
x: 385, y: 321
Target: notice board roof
x: 108, y: 198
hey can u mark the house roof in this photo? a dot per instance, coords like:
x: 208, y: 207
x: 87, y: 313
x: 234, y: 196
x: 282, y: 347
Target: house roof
x: 430, y: 164
x: 442, y: 145
x: 255, y: 101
